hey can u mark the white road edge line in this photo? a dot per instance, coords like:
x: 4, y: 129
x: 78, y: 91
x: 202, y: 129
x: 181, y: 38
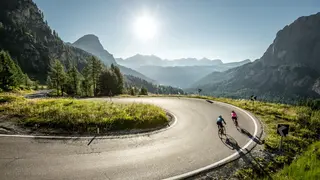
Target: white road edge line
x: 188, y: 174
x: 97, y: 137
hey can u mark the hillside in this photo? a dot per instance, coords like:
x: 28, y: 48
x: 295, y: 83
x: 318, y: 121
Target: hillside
x: 91, y: 44
x: 288, y: 69
x: 31, y: 42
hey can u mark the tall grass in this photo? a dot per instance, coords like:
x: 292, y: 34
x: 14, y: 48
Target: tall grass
x: 307, y: 166
x: 83, y: 116
x: 10, y: 97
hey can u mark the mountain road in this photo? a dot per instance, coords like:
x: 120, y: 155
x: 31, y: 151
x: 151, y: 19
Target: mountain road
x: 190, y: 145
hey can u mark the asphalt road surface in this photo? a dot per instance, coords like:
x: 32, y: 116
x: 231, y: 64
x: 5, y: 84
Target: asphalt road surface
x: 190, y: 144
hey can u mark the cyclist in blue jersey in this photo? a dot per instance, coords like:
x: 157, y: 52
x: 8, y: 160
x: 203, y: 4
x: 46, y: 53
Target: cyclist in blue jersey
x: 219, y: 122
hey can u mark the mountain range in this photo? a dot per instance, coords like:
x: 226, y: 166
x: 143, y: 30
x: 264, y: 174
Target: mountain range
x: 150, y: 60
x: 188, y: 71
x: 183, y: 76
x: 289, y: 69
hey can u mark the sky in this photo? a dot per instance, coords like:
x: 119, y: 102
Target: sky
x: 230, y: 30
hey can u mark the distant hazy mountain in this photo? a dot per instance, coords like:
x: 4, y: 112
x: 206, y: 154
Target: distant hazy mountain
x: 195, y: 62
x: 152, y: 88
x: 216, y: 75
x: 141, y: 60
x: 183, y: 76
x: 287, y: 70
x: 151, y: 60
x: 91, y: 44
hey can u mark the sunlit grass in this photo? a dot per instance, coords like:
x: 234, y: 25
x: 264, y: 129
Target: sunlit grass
x: 10, y: 97
x: 82, y: 116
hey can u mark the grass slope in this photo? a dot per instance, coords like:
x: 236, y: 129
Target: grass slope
x: 307, y: 166
x: 80, y: 116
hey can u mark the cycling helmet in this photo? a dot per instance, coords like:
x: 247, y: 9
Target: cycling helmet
x: 220, y: 116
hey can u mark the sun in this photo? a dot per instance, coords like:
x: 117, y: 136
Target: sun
x: 145, y: 28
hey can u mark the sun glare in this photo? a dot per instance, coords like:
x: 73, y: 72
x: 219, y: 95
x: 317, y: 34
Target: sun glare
x: 145, y: 28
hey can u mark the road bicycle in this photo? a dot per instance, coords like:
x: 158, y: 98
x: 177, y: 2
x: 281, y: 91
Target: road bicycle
x: 222, y: 130
x: 235, y: 121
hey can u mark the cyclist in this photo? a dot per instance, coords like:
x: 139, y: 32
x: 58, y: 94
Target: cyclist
x: 219, y: 122
x: 234, y: 117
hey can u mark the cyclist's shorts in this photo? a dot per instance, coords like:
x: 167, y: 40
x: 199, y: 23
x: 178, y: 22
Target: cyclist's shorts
x: 219, y: 123
x: 234, y: 118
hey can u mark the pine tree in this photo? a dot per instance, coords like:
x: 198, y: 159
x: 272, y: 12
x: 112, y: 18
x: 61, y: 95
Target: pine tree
x: 132, y: 91
x: 10, y: 73
x: 49, y: 83
x: 26, y: 81
x: 119, y: 86
x: 143, y: 91
x: 95, y: 69
x: 86, y: 84
x: 106, y: 83
x: 36, y: 85
x: 58, y: 76
x: 41, y: 14
x: 20, y: 75
x: 73, y: 81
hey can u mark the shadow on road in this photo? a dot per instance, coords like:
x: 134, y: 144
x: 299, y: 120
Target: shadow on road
x: 256, y: 139
x: 244, y: 154
x: 209, y: 101
x: 91, y: 140
x: 229, y: 141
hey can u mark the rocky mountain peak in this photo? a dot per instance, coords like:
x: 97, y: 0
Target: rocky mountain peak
x: 297, y: 43
x: 92, y: 44
x: 90, y: 40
